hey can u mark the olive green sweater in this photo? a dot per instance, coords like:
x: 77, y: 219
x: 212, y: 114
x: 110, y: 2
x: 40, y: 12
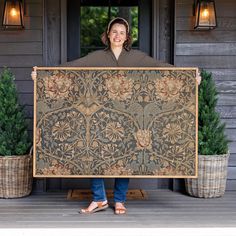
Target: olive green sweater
x: 106, y: 58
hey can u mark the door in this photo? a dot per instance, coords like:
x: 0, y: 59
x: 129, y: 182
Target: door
x: 87, y: 20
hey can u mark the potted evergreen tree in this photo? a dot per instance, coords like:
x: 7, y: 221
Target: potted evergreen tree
x: 212, y: 145
x: 15, y: 164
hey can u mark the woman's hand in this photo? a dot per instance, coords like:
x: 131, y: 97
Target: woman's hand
x: 33, y: 75
x: 199, y: 78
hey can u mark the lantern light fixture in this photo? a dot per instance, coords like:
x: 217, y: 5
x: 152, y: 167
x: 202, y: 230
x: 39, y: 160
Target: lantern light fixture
x: 13, y: 14
x: 205, y: 13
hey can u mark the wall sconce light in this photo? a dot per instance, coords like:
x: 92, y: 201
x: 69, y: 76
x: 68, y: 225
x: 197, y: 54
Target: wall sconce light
x: 205, y: 13
x: 13, y: 14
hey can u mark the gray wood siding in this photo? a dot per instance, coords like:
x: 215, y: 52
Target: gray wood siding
x: 20, y: 51
x: 214, y: 51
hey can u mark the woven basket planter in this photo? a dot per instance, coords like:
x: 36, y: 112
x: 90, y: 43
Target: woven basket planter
x: 15, y: 176
x: 212, y: 175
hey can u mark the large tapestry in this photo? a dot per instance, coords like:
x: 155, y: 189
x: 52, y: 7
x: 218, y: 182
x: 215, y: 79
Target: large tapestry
x: 115, y: 122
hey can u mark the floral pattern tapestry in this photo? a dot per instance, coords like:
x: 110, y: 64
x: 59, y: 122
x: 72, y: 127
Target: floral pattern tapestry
x: 110, y: 122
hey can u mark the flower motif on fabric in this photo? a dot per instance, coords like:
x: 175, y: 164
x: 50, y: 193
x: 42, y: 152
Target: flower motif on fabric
x: 118, y: 169
x: 114, y: 131
x: 119, y: 87
x: 165, y: 170
x: 61, y: 130
x: 57, y: 168
x: 144, y: 139
x: 57, y: 86
x: 168, y: 88
x: 172, y: 132
x: 108, y: 150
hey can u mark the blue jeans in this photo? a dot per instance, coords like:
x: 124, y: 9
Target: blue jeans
x: 120, y: 189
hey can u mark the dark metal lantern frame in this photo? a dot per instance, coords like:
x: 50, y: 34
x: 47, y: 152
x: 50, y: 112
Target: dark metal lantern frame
x: 7, y: 21
x: 198, y: 6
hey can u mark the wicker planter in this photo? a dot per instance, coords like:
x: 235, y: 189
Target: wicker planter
x: 212, y: 175
x: 15, y: 176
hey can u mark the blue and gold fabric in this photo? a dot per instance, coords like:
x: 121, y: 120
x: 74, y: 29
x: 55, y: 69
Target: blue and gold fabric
x: 110, y: 122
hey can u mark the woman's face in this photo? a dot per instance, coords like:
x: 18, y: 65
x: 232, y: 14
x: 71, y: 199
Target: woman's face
x: 117, y: 35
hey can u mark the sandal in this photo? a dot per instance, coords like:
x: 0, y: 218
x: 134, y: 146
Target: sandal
x: 98, y: 206
x: 120, y: 210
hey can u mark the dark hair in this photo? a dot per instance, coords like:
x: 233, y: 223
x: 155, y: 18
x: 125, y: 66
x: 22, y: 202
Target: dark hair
x: 127, y: 44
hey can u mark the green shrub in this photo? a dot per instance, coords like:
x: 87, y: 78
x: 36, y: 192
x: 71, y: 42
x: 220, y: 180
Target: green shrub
x: 14, y: 139
x: 211, y: 132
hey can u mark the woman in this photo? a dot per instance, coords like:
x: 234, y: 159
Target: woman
x: 117, y: 54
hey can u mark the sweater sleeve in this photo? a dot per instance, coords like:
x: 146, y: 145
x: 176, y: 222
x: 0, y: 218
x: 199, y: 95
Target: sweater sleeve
x: 151, y: 62
x: 80, y: 62
x: 89, y: 60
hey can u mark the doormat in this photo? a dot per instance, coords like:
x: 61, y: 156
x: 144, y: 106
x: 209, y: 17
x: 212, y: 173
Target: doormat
x: 84, y: 194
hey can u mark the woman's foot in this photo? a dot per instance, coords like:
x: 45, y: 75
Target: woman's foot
x: 94, y: 207
x: 120, y: 208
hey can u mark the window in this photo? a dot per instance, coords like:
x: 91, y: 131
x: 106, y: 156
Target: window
x: 95, y: 15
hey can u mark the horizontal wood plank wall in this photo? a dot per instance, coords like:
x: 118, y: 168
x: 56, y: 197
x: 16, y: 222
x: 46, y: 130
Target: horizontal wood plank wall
x: 214, y: 51
x: 20, y: 50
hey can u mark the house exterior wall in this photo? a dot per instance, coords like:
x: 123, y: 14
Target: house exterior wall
x: 42, y: 44
x: 21, y: 50
x: 215, y: 51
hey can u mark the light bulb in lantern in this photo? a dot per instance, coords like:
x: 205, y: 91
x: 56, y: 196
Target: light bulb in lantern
x: 205, y: 13
x: 13, y: 12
